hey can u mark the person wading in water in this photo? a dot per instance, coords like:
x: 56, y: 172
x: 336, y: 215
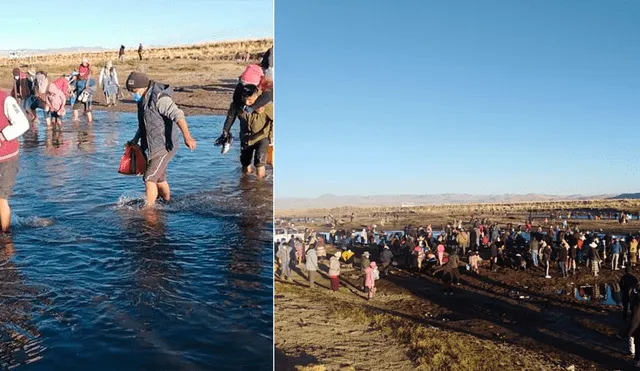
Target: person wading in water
x: 13, y: 123
x: 158, y: 121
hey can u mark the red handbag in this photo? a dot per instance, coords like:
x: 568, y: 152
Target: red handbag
x: 133, y: 161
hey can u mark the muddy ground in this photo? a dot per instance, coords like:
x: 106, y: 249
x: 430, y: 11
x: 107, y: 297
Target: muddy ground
x: 516, y: 308
x: 520, y: 310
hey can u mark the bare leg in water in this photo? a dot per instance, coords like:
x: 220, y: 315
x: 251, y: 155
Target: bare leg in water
x: 5, y: 215
x: 153, y: 190
x: 164, y: 191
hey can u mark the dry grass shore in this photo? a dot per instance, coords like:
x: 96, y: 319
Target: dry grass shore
x: 439, y: 215
x: 203, y: 76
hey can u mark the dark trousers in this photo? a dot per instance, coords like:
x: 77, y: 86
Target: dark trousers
x: 385, y: 268
x: 625, y: 309
x: 447, y: 279
x: 455, y: 276
x: 494, y: 262
x: 335, y: 283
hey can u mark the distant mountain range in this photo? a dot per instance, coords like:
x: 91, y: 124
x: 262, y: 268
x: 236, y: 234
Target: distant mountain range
x: 626, y: 196
x: 329, y: 200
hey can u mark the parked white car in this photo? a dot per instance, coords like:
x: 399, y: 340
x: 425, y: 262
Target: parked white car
x: 286, y: 234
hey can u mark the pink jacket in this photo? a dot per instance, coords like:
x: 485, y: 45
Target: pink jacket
x: 440, y: 248
x: 55, y: 100
x: 369, y: 280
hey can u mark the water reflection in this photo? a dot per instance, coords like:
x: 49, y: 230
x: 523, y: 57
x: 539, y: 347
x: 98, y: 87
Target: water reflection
x: 56, y: 144
x: 19, y: 338
x: 179, y: 287
x: 607, y: 294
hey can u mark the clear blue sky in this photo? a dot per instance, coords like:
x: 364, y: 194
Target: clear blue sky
x: 423, y: 97
x: 39, y: 24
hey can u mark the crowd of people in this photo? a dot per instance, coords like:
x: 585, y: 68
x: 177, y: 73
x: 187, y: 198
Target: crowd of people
x: 553, y: 252
x: 159, y: 118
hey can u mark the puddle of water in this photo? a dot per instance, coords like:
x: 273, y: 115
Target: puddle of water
x: 604, y: 293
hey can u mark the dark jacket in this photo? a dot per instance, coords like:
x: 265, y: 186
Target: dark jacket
x: 494, y: 250
x: 22, y: 88
x: 563, y: 254
x: 546, y: 254
x: 386, y: 256
x: 451, y: 266
x: 634, y: 326
x: 627, y: 282
x: 157, y: 131
x: 364, y: 264
x: 267, y: 59
x: 254, y: 126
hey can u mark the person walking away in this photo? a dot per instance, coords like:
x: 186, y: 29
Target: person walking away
x: 121, y: 54
x: 494, y: 256
x: 633, y: 250
x: 534, y: 245
x: 108, y: 81
x: 573, y: 254
x: 595, y: 259
x: 311, y: 264
x: 364, y: 264
x: 419, y: 251
x: 627, y: 283
x: 546, y: 258
x: 449, y: 274
x: 256, y: 124
x: 463, y: 241
x: 385, y: 259
x: 615, y: 254
x: 13, y: 123
x: 474, y: 261
x: 84, y: 86
x: 158, y: 121
x: 563, y: 257
x: 370, y: 280
x: 299, y: 246
x: 334, y: 271
x: 140, y: 51
x: 321, y: 250
x: 284, y: 255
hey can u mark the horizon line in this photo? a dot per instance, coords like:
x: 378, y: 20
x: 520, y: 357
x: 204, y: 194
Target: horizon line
x: 151, y: 46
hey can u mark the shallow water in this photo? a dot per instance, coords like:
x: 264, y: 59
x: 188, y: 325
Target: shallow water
x: 604, y: 293
x: 89, y: 281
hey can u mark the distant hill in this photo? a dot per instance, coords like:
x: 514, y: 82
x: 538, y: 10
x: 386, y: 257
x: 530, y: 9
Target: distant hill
x: 626, y: 196
x: 329, y: 200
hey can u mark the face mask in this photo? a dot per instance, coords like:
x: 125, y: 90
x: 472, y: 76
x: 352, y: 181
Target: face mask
x: 137, y: 97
